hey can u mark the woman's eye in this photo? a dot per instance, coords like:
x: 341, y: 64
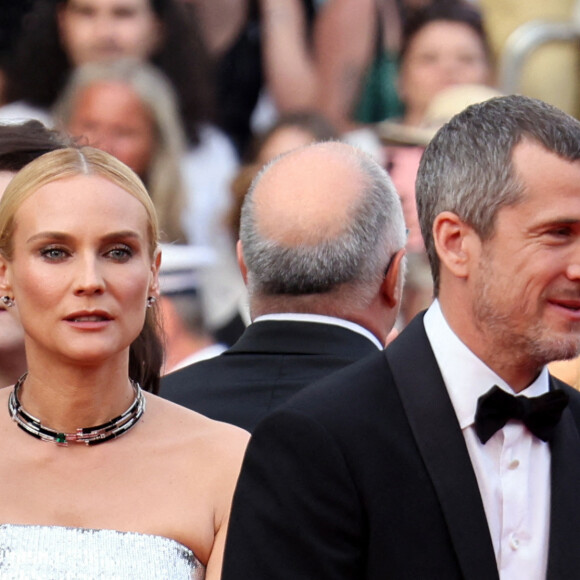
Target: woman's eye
x: 53, y: 253
x: 121, y: 254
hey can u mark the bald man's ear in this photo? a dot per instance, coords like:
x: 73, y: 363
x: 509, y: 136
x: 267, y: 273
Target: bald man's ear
x: 242, y: 262
x: 453, y: 242
x: 391, y: 287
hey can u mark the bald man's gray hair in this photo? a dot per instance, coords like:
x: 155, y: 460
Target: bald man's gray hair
x: 467, y: 168
x: 358, y: 256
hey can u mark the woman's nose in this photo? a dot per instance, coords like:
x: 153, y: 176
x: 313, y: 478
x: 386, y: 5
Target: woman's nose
x: 89, y: 279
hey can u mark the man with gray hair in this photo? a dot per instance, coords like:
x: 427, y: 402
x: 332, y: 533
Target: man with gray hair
x: 321, y: 251
x: 421, y: 461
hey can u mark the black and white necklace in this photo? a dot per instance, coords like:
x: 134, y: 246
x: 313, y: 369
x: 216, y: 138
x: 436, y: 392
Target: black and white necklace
x: 87, y: 435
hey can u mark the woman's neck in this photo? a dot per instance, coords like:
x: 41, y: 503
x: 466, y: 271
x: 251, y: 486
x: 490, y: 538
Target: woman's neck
x: 68, y: 397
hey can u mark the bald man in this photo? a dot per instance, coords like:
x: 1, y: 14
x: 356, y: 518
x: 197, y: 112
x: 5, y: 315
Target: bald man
x: 321, y: 251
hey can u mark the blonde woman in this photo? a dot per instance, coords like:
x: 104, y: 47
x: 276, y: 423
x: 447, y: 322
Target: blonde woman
x: 100, y: 478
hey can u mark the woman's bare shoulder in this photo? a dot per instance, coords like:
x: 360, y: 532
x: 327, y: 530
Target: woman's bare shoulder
x: 189, y: 426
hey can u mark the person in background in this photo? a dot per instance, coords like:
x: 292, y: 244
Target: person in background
x: 11, y: 18
x: 403, y: 165
x: 357, y: 46
x: 19, y: 144
x: 324, y: 286
x: 261, y: 54
x: 187, y: 338
x: 128, y: 109
x: 444, y: 45
x: 453, y: 453
x: 63, y: 34
x: 139, y: 488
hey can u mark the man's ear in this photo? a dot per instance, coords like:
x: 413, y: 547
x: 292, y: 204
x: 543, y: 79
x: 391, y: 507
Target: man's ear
x: 242, y: 262
x: 391, y: 287
x: 452, y: 238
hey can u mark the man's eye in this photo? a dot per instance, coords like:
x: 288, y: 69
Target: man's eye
x: 561, y: 232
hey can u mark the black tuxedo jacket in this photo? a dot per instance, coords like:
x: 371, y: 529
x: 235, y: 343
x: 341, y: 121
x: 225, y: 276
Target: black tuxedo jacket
x: 271, y: 361
x: 366, y: 475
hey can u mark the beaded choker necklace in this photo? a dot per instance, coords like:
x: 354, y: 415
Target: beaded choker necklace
x: 88, y: 435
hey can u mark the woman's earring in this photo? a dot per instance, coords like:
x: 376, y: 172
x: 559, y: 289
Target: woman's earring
x: 150, y: 301
x: 7, y: 301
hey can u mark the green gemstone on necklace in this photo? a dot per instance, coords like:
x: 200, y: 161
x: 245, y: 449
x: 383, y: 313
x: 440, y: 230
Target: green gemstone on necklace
x: 89, y: 435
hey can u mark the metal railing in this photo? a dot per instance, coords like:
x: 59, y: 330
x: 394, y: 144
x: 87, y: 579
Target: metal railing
x: 526, y: 39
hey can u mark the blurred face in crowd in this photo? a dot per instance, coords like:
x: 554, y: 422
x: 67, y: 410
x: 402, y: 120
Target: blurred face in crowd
x: 5, y: 177
x: 11, y: 333
x: 110, y: 116
x: 105, y: 30
x: 283, y: 140
x: 442, y: 54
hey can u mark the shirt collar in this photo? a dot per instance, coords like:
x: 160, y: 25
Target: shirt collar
x: 465, y: 375
x: 321, y: 319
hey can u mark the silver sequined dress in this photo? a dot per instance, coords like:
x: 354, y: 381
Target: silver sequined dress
x: 59, y: 553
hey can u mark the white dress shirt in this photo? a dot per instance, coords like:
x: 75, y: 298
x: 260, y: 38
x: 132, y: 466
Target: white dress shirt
x: 321, y: 319
x: 204, y: 353
x: 512, y: 468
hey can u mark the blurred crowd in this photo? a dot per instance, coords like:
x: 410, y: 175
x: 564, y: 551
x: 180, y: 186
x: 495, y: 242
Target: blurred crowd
x: 197, y: 95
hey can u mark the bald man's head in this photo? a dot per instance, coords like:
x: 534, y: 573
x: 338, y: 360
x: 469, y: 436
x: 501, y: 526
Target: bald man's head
x: 319, y: 218
x: 309, y: 195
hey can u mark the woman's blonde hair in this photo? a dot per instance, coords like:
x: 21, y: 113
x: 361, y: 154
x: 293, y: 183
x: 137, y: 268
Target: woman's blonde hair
x: 63, y: 164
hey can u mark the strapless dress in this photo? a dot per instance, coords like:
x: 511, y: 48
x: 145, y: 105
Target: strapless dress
x: 60, y: 553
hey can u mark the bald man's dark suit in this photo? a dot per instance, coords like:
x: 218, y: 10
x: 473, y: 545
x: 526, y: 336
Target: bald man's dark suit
x: 272, y: 360
x: 366, y: 475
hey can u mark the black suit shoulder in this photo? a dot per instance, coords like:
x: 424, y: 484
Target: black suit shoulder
x: 573, y: 394
x: 343, y: 456
x: 360, y: 391
x: 271, y: 362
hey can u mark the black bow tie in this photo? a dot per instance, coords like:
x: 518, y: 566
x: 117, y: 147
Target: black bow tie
x: 539, y: 414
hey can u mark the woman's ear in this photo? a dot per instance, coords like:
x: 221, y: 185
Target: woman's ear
x: 5, y: 276
x: 155, y: 268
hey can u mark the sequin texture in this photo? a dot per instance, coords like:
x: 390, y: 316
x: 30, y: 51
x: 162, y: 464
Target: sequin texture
x: 60, y: 553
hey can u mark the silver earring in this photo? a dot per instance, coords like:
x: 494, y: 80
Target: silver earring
x: 7, y: 301
x: 150, y: 301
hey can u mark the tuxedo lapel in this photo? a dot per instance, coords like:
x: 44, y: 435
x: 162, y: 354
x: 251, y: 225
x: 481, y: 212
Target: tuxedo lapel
x: 564, y: 554
x: 442, y: 446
